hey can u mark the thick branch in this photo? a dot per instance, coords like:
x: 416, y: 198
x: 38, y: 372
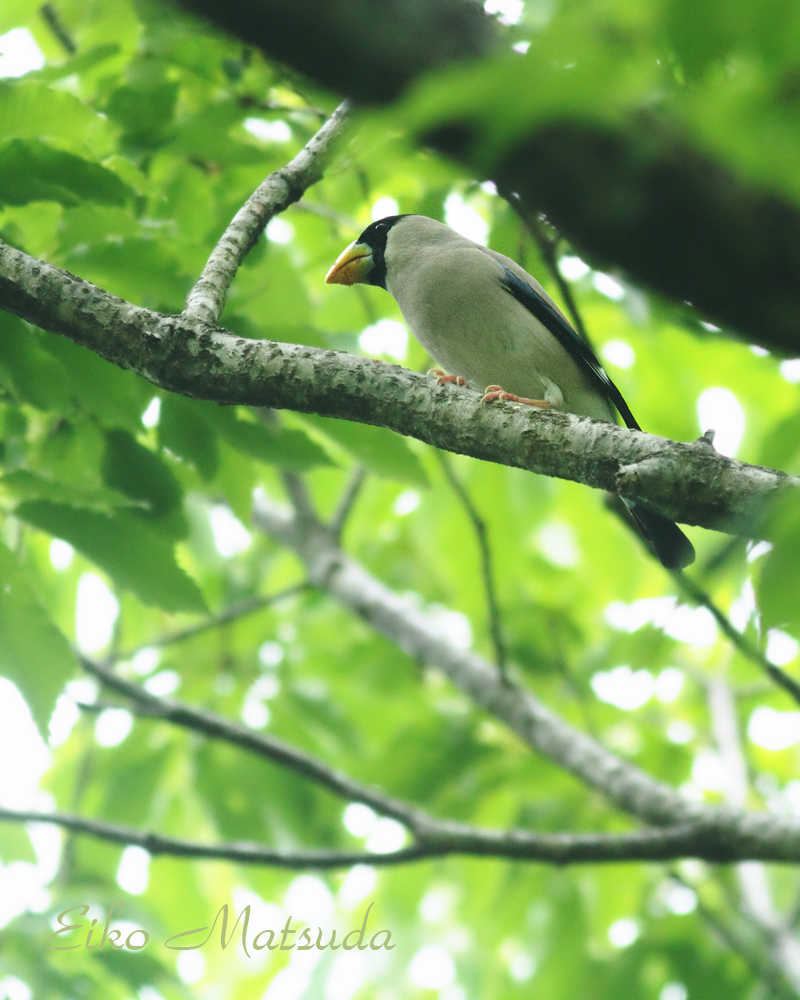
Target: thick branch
x: 687, y: 482
x: 282, y: 188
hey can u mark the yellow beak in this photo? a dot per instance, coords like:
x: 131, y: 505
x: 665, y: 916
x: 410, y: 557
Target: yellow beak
x: 352, y: 265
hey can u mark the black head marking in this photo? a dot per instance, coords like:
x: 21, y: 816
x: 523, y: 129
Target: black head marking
x: 375, y: 238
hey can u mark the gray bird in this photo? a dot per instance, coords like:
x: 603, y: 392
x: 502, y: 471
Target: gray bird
x: 489, y: 323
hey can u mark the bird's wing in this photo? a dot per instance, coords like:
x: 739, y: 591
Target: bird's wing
x: 550, y: 317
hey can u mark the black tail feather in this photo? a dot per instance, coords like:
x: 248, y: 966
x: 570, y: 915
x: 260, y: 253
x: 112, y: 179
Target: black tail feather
x: 672, y: 547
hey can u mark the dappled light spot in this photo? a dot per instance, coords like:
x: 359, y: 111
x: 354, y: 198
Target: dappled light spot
x: 465, y: 219
x: 557, y: 543
x: 624, y: 688
x: 358, y: 884
x: 608, y: 286
x: 774, y: 730
x: 719, y: 410
x: 622, y: 933
x: 388, y: 835
x: 387, y: 336
x: 19, y: 53
x: 781, y: 648
x: 359, y: 819
x: 279, y: 231
x: 573, y: 268
x: 152, y: 414
x: 230, y: 535
x: 268, y: 131
x: 432, y: 968
x: 708, y: 771
x: 618, y: 353
x: 191, y: 966
x: 790, y: 370
x: 507, y: 11
x: 669, y: 685
x: 112, y: 726
x: 133, y: 872
x: 61, y: 554
x: 96, y: 611
x: 695, y: 626
x: 309, y: 898
x: 163, y: 683
x: 384, y: 207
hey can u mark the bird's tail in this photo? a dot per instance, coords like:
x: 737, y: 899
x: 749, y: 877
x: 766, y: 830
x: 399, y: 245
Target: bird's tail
x: 672, y: 547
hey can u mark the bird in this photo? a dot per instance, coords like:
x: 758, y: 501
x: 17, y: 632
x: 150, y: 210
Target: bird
x: 491, y: 325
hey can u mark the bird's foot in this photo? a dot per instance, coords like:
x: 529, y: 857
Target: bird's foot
x: 442, y: 378
x: 494, y: 392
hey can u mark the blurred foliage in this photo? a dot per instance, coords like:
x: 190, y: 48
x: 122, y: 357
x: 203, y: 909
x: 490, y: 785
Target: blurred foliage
x: 123, y: 162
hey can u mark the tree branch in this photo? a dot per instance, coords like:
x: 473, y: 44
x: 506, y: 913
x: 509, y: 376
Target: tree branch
x: 441, y: 840
x: 687, y: 482
x: 738, y: 639
x: 756, y: 891
x: 347, y: 502
x: 262, y: 745
x: 283, y: 187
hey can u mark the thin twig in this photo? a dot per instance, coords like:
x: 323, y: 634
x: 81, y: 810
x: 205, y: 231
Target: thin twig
x: 482, y: 535
x: 739, y: 640
x: 279, y: 190
x: 300, y: 498
x: 347, y: 501
x: 762, y: 968
x: 231, y: 614
x: 53, y: 21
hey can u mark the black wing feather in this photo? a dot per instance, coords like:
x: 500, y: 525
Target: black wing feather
x: 578, y: 349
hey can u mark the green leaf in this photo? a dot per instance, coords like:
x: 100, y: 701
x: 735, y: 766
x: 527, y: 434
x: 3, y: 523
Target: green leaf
x: 30, y: 170
x: 29, y: 109
x: 78, y: 64
x: 34, y: 374
x: 776, y: 587
x: 142, y: 475
x: 25, y: 485
x: 382, y: 451
x: 15, y: 844
x: 141, y: 270
x: 275, y: 445
x: 33, y: 652
x: 116, y: 396
x: 144, y: 112
x: 289, y: 449
x: 183, y: 427
x: 135, y: 558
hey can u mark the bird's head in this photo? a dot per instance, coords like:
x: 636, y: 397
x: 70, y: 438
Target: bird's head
x: 364, y: 261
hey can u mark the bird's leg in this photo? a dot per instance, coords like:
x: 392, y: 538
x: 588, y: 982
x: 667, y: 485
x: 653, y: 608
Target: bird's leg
x: 443, y: 378
x: 494, y: 392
